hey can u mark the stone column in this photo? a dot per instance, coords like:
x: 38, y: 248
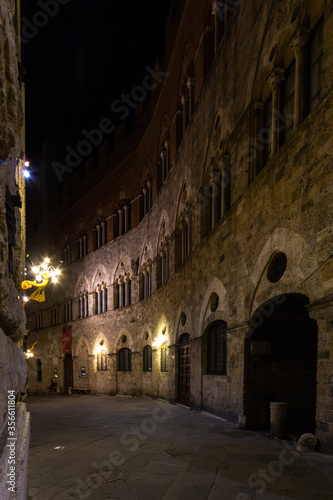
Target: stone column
x: 86, y: 303
x: 216, y: 11
x: 274, y: 81
x: 103, y: 233
x: 149, y: 193
x: 120, y: 222
x: 126, y: 209
x: 182, y: 228
x: 226, y: 181
x: 297, y: 46
x: 167, y: 157
x: 98, y: 235
x: 162, y: 253
x: 80, y: 248
x: 213, y: 181
x: 80, y: 307
x: 322, y: 311
x: 144, y: 191
x: 184, y: 102
x: 189, y: 85
x: 144, y: 274
x: 163, y: 165
x: 98, y: 300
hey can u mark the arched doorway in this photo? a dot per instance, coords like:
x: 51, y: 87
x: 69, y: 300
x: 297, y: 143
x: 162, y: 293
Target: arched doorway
x: 281, y: 362
x: 184, y: 363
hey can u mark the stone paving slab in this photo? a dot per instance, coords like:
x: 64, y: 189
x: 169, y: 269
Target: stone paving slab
x: 144, y: 449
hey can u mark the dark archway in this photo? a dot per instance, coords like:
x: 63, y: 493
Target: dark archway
x: 184, y: 367
x: 281, y: 363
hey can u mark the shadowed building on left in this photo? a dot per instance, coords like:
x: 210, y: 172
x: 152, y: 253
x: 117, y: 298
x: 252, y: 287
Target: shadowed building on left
x: 14, y: 420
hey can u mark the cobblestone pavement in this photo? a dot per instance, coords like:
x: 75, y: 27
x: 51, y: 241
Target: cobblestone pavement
x: 103, y: 448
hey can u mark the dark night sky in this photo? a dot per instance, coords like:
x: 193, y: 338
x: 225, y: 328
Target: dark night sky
x: 82, y: 58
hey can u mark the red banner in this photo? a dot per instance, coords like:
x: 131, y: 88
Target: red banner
x: 66, y: 339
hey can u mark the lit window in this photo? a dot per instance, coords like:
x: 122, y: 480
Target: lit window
x: 164, y: 359
x: 147, y: 358
x: 102, y: 361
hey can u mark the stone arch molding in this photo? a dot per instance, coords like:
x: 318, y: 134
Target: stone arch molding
x: 123, y: 268
x: 82, y: 283
x: 106, y: 345
x: 150, y: 340
x: 54, y: 350
x: 82, y: 342
x: 157, y: 333
x: 129, y: 340
x: 186, y: 194
x: 146, y: 254
x: 301, y: 263
x: 179, y: 329
x: 223, y: 310
x: 99, y: 276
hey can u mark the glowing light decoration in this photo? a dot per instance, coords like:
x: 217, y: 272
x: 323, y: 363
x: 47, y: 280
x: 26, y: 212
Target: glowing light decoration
x: 29, y: 353
x: 43, y: 273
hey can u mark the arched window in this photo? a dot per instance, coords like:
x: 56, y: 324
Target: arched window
x: 83, y: 247
x: 125, y: 360
x: 55, y: 316
x: 124, y: 219
x: 146, y: 199
x: 83, y: 304
x: 39, y: 370
x: 101, y: 299
x: 122, y: 291
x: 101, y: 233
x: 146, y: 280
x: 102, y: 361
x: 217, y: 348
x: 68, y: 311
x: 39, y: 320
x: 164, y: 358
x: 163, y: 263
x: 147, y: 358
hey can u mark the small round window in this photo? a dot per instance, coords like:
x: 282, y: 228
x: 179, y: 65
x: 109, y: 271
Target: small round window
x: 277, y: 267
x: 214, y: 302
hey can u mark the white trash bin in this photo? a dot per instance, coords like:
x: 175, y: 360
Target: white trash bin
x: 278, y: 420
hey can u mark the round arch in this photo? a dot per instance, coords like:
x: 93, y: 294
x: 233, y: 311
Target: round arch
x: 281, y: 362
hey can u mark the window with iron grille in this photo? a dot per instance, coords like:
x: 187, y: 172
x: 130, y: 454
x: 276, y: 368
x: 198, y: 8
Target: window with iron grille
x: 147, y: 359
x: 125, y: 360
x: 164, y: 359
x: 217, y: 348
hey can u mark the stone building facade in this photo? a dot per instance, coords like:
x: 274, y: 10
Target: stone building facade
x: 198, y: 253
x: 13, y: 366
